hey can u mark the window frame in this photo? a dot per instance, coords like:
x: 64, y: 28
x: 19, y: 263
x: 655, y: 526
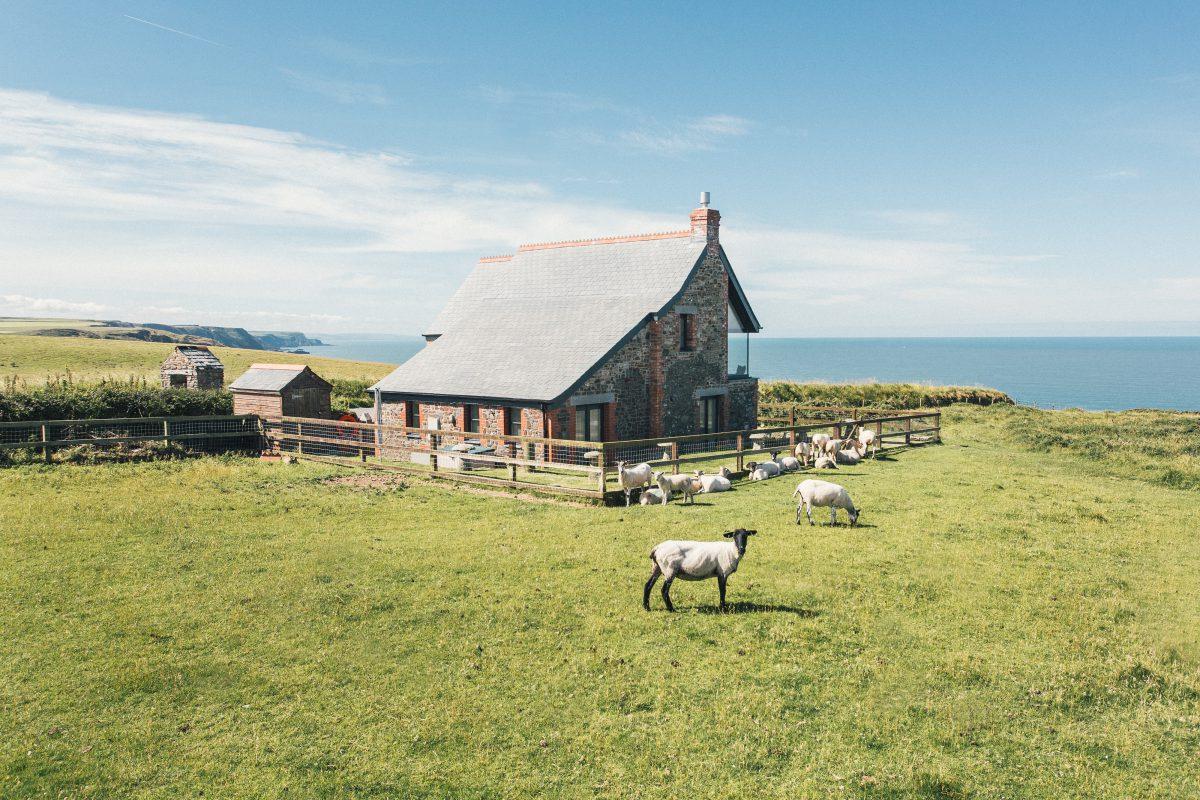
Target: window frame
x: 412, y: 414
x: 584, y: 414
x: 512, y: 414
x: 470, y: 418
x: 710, y: 423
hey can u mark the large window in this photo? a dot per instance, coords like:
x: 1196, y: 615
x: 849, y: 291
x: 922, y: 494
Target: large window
x: 412, y: 414
x: 513, y: 421
x: 471, y: 418
x: 589, y: 423
x: 710, y: 414
x: 687, y: 332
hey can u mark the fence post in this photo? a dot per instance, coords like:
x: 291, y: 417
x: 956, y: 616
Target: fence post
x: 166, y: 430
x: 45, y: 446
x: 603, y: 464
x: 300, y: 438
x: 433, y: 446
x: 675, y: 457
x: 741, y: 445
x: 937, y: 423
x: 908, y: 431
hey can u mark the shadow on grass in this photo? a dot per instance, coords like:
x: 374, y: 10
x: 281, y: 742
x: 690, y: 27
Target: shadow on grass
x: 746, y: 607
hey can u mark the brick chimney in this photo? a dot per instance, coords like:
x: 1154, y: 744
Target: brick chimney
x: 706, y: 221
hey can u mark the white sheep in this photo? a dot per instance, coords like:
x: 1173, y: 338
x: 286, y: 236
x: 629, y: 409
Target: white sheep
x: 771, y: 468
x: 677, y: 483
x: 633, y: 477
x: 818, y: 441
x: 823, y: 494
x: 695, y: 561
x: 788, y: 463
x: 725, y: 472
x: 804, y: 452
x: 651, y: 496
x: 825, y: 462
x: 867, y: 440
x: 758, y: 475
x: 848, y: 455
x: 710, y: 484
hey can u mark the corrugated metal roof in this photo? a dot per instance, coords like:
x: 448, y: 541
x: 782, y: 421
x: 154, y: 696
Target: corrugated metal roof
x: 267, y: 377
x: 530, y: 327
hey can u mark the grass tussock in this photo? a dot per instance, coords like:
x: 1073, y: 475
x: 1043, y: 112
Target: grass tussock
x: 878, y: 395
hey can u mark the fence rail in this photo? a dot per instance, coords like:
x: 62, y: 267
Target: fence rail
x: 583, y: 469
x: 207, y: 434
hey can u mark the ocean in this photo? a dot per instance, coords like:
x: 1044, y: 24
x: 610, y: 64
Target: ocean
x: 1093, y: 373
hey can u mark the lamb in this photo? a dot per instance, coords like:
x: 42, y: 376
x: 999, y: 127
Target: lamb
x: 710, y: 484
x: 825, y: 462
x: 633, y: 477
x: 758, y: 475
x: 823, y: 494
x: 677, y: 483
x: 695, y: 561
x: 768, y: 469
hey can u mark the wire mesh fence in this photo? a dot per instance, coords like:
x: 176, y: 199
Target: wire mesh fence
x: 81, y: 439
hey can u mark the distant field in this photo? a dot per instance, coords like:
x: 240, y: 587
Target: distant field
x: 22, y: 324
x: 34, y: 359
x: 1005, y: 623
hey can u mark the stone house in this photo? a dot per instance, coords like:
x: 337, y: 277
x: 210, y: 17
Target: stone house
x: 281, y: 390
x: 625, y: 337
x: 192, y: 367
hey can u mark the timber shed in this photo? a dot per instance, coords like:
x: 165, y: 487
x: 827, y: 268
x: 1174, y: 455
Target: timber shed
x: 281, y: 390
x: 192, y: 367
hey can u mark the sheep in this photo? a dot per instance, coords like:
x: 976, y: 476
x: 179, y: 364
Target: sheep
x: 818, y: 441
x: 677, y: 483
x: 769, y: 469
x: 725, y: 472
x: 848, y: 455
x: 709, y: 484
x: 758, y: 475
x: 633, y: 477
x: 830, y: 447
x: 867, y: 440
x: 825, y: 462
x: 804, y: 452
x: 695, y: 561
x: 823, y: 494
x: 787, y: 463
x: 651, y: 496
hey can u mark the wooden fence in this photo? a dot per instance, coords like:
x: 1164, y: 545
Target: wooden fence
x: 581, y: 469
x: 206, y: 434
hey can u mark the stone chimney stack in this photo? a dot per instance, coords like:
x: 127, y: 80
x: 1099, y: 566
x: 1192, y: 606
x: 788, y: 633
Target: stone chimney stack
x: 706, y: 221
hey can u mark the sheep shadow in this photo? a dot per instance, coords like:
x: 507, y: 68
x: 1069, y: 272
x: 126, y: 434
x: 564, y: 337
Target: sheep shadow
x: 748, y: 607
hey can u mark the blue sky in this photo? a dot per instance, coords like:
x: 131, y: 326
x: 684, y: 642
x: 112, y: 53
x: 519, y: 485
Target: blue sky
x: 902, y: 169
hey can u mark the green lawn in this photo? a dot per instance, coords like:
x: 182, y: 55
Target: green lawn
x: 33, y: 359
x: 1007, y: 623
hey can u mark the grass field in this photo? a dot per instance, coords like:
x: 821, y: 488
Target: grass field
x: 33, y: 359
x: 1006, y: 623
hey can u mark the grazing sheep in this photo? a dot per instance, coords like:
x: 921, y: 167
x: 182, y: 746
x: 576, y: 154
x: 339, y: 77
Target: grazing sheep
x: 867, y: 440
x: 825, y: 462
x: 677, y: 483
x: 804, y: 452
x: 823, y: 494
x: 652, y: 496
x: 818, y: 441
x: 633, y: 477
x: 695, y: 561
x: 710, y: 484
x: 831, y: 446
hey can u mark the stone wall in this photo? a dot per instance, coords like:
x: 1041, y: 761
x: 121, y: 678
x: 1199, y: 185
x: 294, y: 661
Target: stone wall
x: 742, y: 406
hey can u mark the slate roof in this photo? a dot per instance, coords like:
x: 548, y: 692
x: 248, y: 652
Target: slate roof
x: 269, y: 377
x: 532, y: 326
x: 200, y: 357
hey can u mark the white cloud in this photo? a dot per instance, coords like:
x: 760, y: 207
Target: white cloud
x: 704, y: 133
x: 345, y: 92
x: 23, y: 305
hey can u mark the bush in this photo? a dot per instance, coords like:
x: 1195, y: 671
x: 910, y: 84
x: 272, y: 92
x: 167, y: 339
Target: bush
x: 350, y: 393
x: 64, y: 399
x: 877, y: 395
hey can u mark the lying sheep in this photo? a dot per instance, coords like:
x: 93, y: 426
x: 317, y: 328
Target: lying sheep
x: 710, y: 484
x: 725, y: 472
x: 848, y: 455
x: 652, y: 496
x: 758, y: 474
x: 825, y: 462
x: 787, y: 463
x: 770, y: 467
x: 823, y: 494
x: 677, y: 483
x: 633, y: 477
x: 695, y: 561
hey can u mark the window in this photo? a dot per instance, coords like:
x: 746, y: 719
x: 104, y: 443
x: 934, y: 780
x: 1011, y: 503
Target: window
x: 179, y: 381
x: 471, y: 419
x: 687, y: 332
x: 710, y: 414
x: 589, y: 423
x: 513, y: 416
x: 412, y: 414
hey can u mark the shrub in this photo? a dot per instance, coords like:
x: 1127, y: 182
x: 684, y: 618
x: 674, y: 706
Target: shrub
x: 64, y: 399
x: 877, y: 395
